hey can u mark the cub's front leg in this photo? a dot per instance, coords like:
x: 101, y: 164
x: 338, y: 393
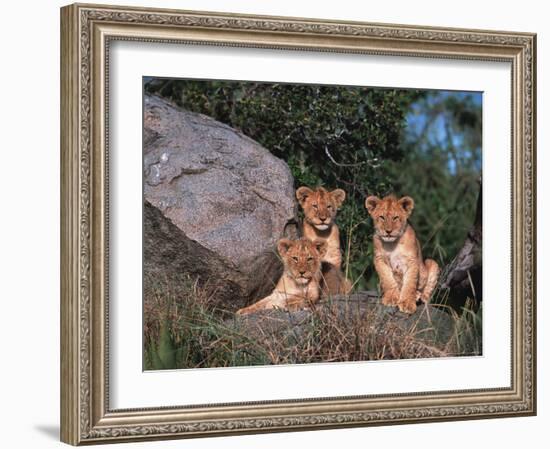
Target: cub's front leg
x: 275, y: 300
x: 390, y: 290
x: 432, y: 269
x: 408, y: 294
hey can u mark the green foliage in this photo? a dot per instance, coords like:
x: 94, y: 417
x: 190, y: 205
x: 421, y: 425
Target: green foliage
x: 441, y: 170
x: 163, y: 354
x: 425, y: 144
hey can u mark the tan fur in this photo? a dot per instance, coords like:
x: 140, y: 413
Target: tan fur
x: 299, y: 286
x: 404, y: 276
x: 333, y: 281
x: 320, y: 207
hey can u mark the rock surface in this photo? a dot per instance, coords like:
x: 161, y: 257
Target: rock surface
x: 216, y: 202
x: 429, y: 325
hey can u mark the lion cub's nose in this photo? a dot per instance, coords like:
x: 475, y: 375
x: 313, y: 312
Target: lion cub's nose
x: 302, y: 272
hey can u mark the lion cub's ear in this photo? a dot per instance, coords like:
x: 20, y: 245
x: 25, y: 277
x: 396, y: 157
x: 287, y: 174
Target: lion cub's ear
x: 407, y: 203
x: 338, y: 196
x: 302, y: 194
x: 371, y: 202
x: 321, y: 246
x: 283, y: 246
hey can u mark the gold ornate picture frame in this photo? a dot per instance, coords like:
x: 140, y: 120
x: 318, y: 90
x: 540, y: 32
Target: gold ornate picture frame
x: 87, y: 31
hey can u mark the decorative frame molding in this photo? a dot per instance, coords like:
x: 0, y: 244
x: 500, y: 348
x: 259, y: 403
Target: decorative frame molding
x: 86, y: 32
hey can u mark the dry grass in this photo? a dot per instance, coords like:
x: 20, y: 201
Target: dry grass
x: 184, y: 329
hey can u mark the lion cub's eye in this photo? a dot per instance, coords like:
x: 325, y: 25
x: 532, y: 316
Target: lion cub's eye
x: 381, y: 218
x: 294, y: 258
x: 395, y: 218
x: 314, y: 206
x: 329, y: 207
x: 310, y: 259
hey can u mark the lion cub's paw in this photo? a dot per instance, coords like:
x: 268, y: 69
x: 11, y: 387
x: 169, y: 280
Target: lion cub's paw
x: 425, y: 298
x: 390, y: 297
x: 243, y: 311
x: 407, y: 307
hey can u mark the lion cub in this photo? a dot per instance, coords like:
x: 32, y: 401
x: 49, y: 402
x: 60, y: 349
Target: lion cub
x: 298, y: 287
x: 404, y: 277
x: 320, y: 207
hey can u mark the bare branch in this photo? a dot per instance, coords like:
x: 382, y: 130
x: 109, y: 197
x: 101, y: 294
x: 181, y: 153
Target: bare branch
x: 338, y: 163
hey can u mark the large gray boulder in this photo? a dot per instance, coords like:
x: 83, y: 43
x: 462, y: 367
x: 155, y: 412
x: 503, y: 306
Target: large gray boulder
x: 216, y: 202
